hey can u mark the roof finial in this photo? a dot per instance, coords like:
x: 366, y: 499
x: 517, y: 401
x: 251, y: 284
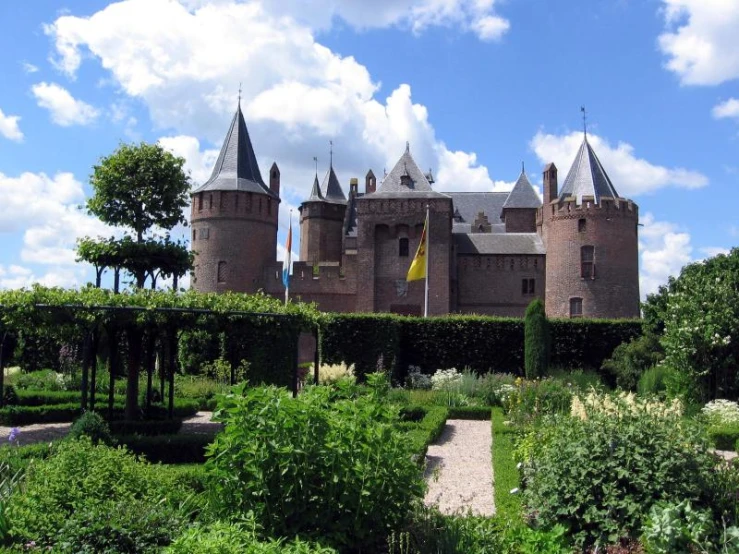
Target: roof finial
x: 315, y: 160
x: 523, y: 167
x: 331, y: 153
x: 239, y: 94
x: 407, y: 147
x: 584, y: 121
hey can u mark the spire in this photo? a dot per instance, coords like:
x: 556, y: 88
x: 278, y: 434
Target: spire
x: 523, y: 194
x: 407, y: 147
x: 315, y: 193
x: 584, y: 122
x: 236, y: 167
x: 587, y: 177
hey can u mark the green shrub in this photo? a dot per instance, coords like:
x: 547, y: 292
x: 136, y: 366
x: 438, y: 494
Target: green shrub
x: 45, y: 379
x: 169, y: 449
x: 419, y: 436
x: 94, y: 498
x: 489, y: 387
x: 506, y: 475
x: 15, y: 459
x: 470, y: 412
x: 579, y: 379
x: 631, y: 359
x: 147, y: 428
x: 723, y: 436
x: 281, y: 457
x: 92, y: 425
x: 533, y: 399
x: 536, y: 340
x: 10, y: 396
x: 678, y: 528
x: 600, y: 476
x: 654, y: 381
x: 233, y: 538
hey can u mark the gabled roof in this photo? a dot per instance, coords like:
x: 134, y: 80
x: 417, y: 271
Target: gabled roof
x: 331, y: 189
x: 522, y: 195
x: 236, y: 167
x: 499, y: 243
x: 393, y: 187
x: 468, y: 204
x: 587, y: 177
x: 315, y: 193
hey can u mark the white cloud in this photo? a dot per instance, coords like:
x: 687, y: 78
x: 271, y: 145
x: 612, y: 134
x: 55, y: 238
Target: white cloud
x: 711, y: 251
x: 630, y: 175
x: 29, y: 68
x: 730, y: 108
x: 298, y: 95
x: 198, y: 164
x: 64, y: 108
x: 15, y: 277
x: 9, y: 127
x: 700, y: 40
x: 664, y: 250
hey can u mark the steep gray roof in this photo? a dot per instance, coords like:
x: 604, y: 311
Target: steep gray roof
x: 522, y: 195
x: 331, y: 189
x: 236, y: 167
x: 391, y: 186
x: 499, y: 243
x: 468, y: 204
x: 587, y: 177
x: 315, y: 193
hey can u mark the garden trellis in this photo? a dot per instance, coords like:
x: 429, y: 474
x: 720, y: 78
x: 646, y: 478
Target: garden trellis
x: 146, y: 326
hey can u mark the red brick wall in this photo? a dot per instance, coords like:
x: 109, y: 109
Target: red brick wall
x: 520, y: 220
x: 321, y: 228
x: 612, y: 229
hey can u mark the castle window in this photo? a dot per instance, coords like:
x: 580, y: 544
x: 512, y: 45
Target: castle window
x: 528, y: 286
x: 587, y: 262
x: 403, y: 247
x: 274, y: 175
x: 200, y: 202
x: 575, y: 307
x: 204, y: 233
x: 581, y: 225
x: 193, y: 234
x: 221, y: 272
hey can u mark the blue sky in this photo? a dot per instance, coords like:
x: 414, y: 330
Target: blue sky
x: 476, y: 86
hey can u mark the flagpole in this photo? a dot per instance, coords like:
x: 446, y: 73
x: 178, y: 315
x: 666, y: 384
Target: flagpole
x: 428, y: 242
x: 288, y: 258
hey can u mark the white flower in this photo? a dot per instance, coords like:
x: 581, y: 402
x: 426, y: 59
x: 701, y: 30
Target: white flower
x: 514, y: 491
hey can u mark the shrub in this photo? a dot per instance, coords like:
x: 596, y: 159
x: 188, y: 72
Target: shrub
x: 579, y: 379
x: 281, y: 457
x: 631, y: 359
x: 147, y: 428
x: 678, y: 528
x: 44, y: 379
x: 169, y: 449
x: 10, y: 397
x: 329, y: 374
x: 531, y: 400
x: 88, y: 498
x: 490, y: 388
x: 723, y: 436
x: 721, y: 412
x: 599, y: 476
x: 417, y: 380
x: 536, y: 340
x: 233, y: 538
x: 446, y: 379
x: 654, y: 381
x: 92, y: 425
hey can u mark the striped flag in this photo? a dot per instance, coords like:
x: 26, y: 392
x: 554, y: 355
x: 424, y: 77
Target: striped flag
x: 288, y: 259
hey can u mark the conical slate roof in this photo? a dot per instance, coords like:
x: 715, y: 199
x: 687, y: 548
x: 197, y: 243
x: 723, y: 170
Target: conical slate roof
x: 522, y: 195
x: 331, y: 189
x: 315, y: 193
x: 587, y: 177
x: 236, y: 167
x: 393, y: 186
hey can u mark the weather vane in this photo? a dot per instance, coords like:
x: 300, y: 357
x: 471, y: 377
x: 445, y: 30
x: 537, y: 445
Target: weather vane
x: 239, y: 93
x: 315, y: 160
x: 584, y: 120
x: 331, y: 153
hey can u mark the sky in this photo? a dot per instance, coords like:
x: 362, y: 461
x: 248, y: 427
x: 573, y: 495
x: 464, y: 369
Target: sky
x: 477, y: 87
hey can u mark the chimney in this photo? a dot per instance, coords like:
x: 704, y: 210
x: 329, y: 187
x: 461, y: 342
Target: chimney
x: 370, y: 183
x: 353, y: 186
x: 274, y: 179
x: 550, y: 183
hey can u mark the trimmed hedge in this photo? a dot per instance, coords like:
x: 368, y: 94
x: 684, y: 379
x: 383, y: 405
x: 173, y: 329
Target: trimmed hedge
x: 479, y: 413
x: 169, y: 449
x: 505, y: 473
x: 420, y: 435
x: 485, y: 344
x: 147, y: 428
x: 723, y: 437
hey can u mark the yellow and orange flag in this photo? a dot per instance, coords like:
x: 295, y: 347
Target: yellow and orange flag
x: 417, y: 270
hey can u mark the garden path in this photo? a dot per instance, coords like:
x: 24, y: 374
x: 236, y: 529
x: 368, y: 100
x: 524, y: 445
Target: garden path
x: 200, y: 423
x: 459, y: 469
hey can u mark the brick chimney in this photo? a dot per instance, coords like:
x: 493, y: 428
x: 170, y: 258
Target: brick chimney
x: 550, y: 183
x: 353, y: 186
x: 274, y: 179
x: 370, y: 183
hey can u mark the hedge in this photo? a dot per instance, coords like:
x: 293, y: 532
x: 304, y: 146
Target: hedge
x: 427, y: 430
x: 169, y: 449
x: 505, y: 473
x: 479, y: 413
x: 485, y: 344
x: 723, y: 437
x: 146, y: 427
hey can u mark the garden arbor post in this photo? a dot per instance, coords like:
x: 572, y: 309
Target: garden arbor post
x: 93, y: 376
x: 87, y: 355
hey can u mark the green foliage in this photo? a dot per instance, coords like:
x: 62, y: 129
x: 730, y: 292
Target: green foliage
x: 146, y: 428
x: 506, y: 476
x: 631, y: 359
x: 140, y: 186
x: 44, y: 379
x: 701, y: 319
x: 10, y: 396
x: 536, y: 340
x: 723, y: 436
x: 531, y: 400
x: 654, y: 381
x: 678, y: 528
x: 169, y: 449
x: 88, y: 498
x: 233, y: 538
x: 600, y: 476
x: 92, y: 425
x: 280, y: 457
x: 421, y: 434
x: 579, y: 379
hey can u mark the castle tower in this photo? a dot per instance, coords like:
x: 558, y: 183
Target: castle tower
x: 592, y: 266
x: 234, y: 218
x: 322, y: 221
x: 519, y: 209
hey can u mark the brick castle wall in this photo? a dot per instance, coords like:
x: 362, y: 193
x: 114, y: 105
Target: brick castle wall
x: 321, y: 230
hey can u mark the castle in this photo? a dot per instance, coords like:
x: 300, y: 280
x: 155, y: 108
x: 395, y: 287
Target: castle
x: 489, y: 252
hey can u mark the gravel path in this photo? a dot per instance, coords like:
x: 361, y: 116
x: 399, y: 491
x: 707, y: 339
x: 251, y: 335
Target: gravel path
x: 459, y: 469
x: 199, y: 424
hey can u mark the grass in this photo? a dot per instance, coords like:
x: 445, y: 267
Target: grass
x: 505, y: 473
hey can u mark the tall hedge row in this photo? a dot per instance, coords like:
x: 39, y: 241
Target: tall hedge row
x: 485, y: 344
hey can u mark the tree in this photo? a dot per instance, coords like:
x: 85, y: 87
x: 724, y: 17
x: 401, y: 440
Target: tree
x: 536, y: 340
x: 140, y: 186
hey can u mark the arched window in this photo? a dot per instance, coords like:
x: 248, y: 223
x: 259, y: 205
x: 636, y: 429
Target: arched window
x: 587, y: 262
x: 403, y: 247
x: 575, y: 307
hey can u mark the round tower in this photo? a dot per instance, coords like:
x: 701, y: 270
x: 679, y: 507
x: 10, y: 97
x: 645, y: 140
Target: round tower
x: 591, y: 236
x: 322, y: 221
x: 234, y: 219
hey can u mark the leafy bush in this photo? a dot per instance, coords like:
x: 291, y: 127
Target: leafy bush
x: 10, y: 396
x: 45, y: 379
x: 94, y: 498
x: 599, y: 476
x: 723, y: 436
x: 148, y: 428
x: 417, y: 380
x: 169, y: 449
x: 536, y: 340
x: 654, y: 381
x: 531, y: 400
x: 489, y: 387
x: 281, y: 457
x: 721, y: 411
x: 630, y: 360
x: 578, y: 379
x: 419, y: 436
x: 92, y: 425
x: 678, y: 528
x: 233, y: 538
